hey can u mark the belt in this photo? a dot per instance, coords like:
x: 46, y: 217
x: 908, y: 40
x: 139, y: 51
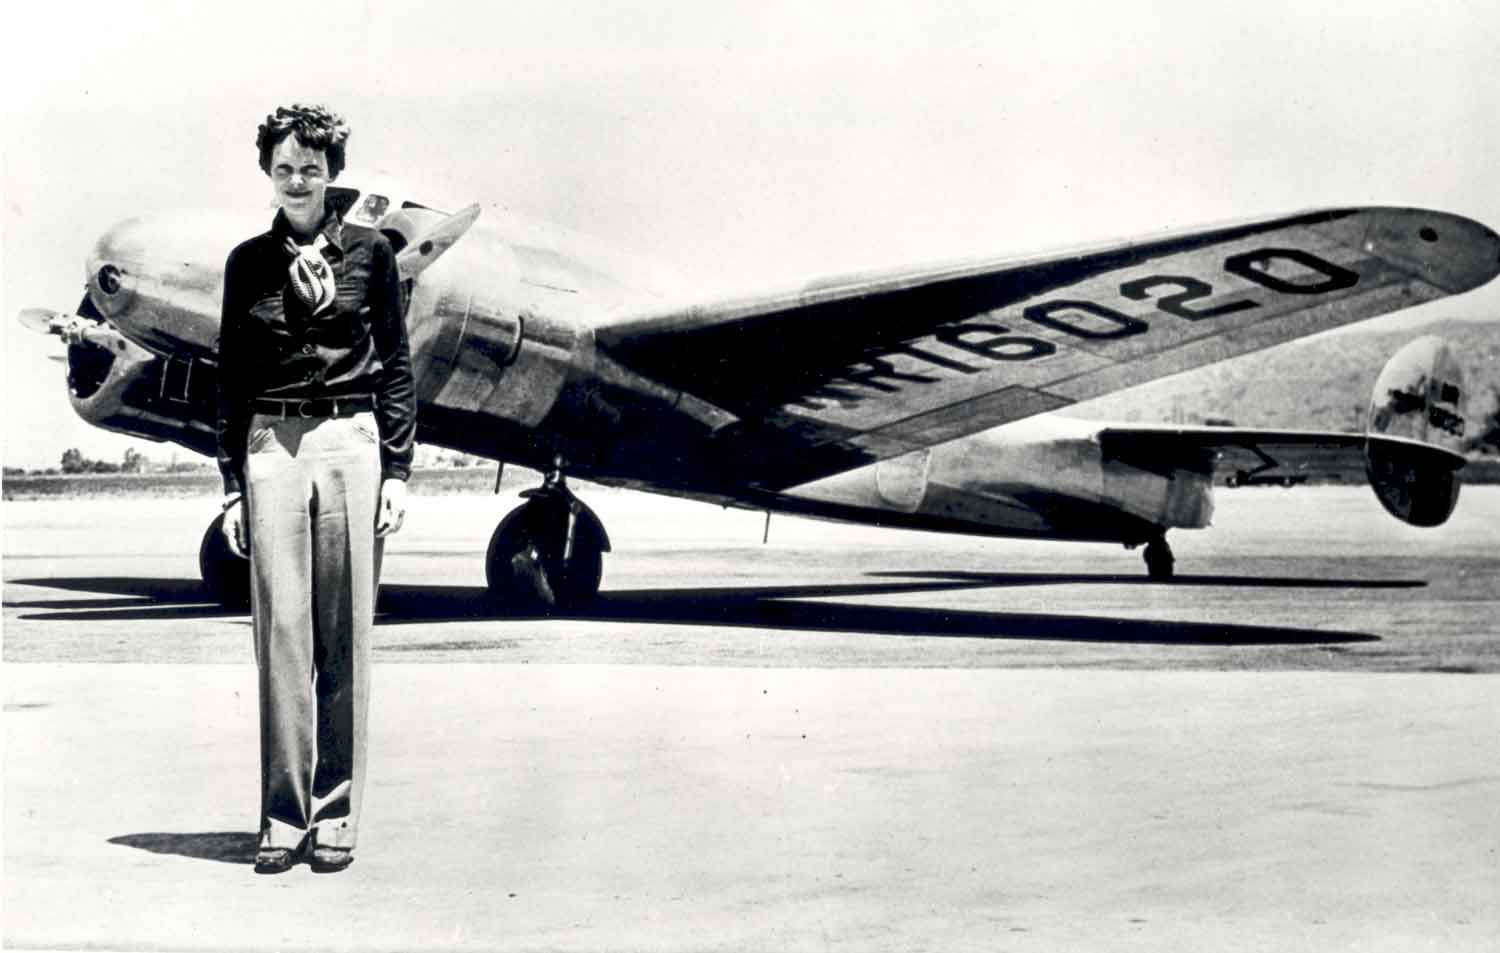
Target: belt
x: 315, y: 407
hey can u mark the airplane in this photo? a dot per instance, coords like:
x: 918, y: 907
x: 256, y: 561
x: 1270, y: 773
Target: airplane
x: 920, y: 397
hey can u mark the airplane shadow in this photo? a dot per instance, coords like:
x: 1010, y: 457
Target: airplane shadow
x: 766, y: 607
x: 1273, y: 582
x: 229, y: 847
x: 141, y: 598
x: 781, y: 607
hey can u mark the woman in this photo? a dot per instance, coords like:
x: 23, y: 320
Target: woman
x: 317, y: 416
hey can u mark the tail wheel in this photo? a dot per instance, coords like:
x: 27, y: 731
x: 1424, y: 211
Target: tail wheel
x: 1160, y: 564
x: 226, y: 576
x: 525, y: 563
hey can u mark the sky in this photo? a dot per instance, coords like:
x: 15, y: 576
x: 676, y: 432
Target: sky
x: 740, y: 144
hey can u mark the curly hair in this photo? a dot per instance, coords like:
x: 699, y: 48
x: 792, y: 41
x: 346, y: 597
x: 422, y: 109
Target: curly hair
x: 317, y: 127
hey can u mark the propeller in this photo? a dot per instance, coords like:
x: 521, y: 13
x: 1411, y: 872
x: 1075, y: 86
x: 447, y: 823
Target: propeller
x: 72, y: 328
x: 40, y: 320
x: 431, y: 244
x: 44, y: 321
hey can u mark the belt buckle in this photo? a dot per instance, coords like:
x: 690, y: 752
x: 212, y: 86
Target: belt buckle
x: 302, y: 408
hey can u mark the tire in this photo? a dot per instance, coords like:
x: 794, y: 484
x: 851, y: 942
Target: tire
x: 523, y: 565
x: 226, y: 576
x: 1160, y: 564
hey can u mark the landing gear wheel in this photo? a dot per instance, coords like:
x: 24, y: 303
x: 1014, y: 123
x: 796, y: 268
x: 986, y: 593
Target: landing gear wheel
x: 1159, y: 560
x: 525, y: 565
x: 226, y: 577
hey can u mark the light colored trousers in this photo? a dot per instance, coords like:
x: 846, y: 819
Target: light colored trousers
x: 312, y: 490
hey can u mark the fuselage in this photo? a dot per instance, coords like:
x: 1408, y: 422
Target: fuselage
x: 501, y: 330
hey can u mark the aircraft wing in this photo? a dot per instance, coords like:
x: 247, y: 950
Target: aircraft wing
x: 842, y: 372
x: 1241, y: 456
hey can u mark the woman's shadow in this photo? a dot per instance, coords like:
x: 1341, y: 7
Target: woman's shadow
x: 230, y: 847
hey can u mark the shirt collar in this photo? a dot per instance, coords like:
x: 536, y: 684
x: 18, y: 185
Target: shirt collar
x: 332, y: 227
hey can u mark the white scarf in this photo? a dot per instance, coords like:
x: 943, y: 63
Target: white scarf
x: 312, y: 278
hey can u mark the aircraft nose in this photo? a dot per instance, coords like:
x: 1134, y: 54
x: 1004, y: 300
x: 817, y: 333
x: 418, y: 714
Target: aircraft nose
x: 158, y: 278
x: 113, y: 267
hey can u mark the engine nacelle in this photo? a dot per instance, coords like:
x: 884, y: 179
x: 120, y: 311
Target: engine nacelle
x: 1045, y: 476
x: 116, y: 384
x: 1416, y: 428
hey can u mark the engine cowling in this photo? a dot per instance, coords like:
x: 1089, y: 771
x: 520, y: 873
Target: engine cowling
x: 116, y: 384
x: 1415, y: 430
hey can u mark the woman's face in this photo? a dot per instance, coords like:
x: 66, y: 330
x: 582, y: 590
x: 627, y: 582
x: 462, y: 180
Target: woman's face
x: 299, y: 175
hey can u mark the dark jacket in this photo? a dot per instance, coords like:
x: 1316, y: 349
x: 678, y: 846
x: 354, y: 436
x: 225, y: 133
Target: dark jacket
x: 270, y: 344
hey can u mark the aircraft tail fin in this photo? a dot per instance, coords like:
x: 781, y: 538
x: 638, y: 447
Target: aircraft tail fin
x: 1418, y: 401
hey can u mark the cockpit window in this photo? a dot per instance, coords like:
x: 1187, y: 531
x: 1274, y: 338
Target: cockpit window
x: 369, y: 210
x: 342, y: 199
x: 402, y: 223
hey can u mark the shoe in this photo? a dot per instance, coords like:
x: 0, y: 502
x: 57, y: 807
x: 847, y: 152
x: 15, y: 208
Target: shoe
x: 274, y: 860
x: 330, y: 860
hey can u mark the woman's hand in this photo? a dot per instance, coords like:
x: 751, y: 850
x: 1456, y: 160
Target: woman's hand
x: 392, y: 512
x: 234, y: 526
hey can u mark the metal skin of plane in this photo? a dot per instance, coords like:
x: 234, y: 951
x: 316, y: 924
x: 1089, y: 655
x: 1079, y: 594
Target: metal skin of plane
x: 917, y: 397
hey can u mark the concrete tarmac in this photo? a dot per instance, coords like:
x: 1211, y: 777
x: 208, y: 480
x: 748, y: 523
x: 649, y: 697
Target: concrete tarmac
x: 847, y: 739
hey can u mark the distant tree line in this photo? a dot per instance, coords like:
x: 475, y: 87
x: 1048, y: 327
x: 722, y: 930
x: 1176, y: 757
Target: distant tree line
x: 133, y: 461
x: 73, y: 461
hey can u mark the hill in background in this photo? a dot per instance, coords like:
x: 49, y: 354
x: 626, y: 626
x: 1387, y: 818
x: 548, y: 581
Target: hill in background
x: 1321, y: 383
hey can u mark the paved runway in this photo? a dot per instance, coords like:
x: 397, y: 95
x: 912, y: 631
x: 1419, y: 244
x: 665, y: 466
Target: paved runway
x: 1311, y: 578
x: 848, y: 738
